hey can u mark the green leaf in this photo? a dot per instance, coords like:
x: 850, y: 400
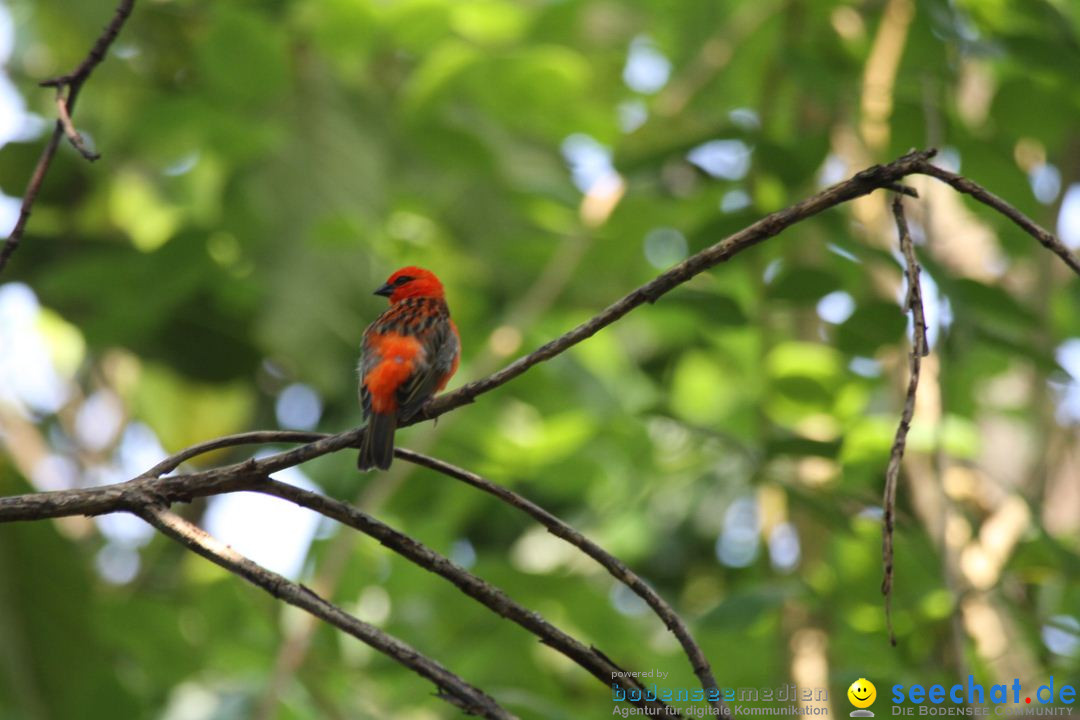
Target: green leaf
x: 989, y: 304
x: 49, y: 620
x: 803, y: 285
x: 872, y: 325
x: 242, y: 59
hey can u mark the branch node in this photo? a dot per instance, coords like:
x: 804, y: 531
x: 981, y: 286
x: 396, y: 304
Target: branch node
x: 57, y: 82
x: 903, y: 189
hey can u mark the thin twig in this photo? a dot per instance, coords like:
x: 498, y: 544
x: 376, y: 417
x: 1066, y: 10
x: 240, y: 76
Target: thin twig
x: 612, y: 564
x: 968, y: 187
x: 257, y: 437
x: 913, y: 304
x: 903, y: 189
x: 32, y: 189
x: 69, y: 129
x: 73, y: 81
x: 78, y: 76
x: 452, y: 688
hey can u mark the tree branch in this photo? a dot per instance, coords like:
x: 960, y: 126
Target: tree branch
x: 452, y: 688
x: 137, y: 494
x: 257, y: 437
x: 968, y: 187
x: 73, y: 81
x: 862, y: 183
x: 613, y: 565
x: 147, y: 489
x: 483, y: 592
x: 72, y: 134
x: 919, y: 349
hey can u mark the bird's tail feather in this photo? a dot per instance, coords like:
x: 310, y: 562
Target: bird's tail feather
x: 377, y: 447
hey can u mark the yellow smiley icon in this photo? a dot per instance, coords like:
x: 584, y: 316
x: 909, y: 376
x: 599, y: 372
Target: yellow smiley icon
x: 862, y: 693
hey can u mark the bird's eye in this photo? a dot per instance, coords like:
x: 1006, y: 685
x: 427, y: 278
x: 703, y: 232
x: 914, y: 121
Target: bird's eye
x: 402, y: 280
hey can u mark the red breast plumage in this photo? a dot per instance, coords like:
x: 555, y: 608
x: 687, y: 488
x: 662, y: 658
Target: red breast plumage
x: 410, y: 352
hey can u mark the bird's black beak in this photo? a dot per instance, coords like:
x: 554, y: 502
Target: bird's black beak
x: 386, y: 290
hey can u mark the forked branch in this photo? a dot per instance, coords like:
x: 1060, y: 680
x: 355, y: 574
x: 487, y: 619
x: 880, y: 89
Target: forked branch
x: 612, y: 564
x: 65, y: 106
x: 451, y: 687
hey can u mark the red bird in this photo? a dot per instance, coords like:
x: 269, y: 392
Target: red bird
x: 410, y: 352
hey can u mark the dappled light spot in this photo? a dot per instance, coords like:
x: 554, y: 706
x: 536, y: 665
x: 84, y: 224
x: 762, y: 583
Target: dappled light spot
x: 590, y: 161
x: 864, y: 366
x: 538, y: 552
x: 734, y: 201
x: 836, y: 307
x: 1068, y: 222
x: 182, y: 165
x: 664, y: 247
x: 784, y: 547
x: 1045, y: 182
x: 873, y: 513
x: 745, y: 119
x: 270, y: 531
x: 740, y: 537
x: 1067, y: 355
x: 298, y: 407
x: 463, y: 553
x: 55, y: 472
x: 412, y: 227
x: 124, y: 530
x: 1029, y: 153
x: 632, y: 115
x: 948, y: 158
x: 848, y: 23
x: 29, y: 379
x: 1061, y: 635
x: 7, y: 33
x: 626, y: 602
x: 983, y: 560
x: 772, y: 270
x: 374, y: 605
x: 725, y: 159
x: 138, y: 207
x: 817, y: 471
x: 223, y: 248
x: 984, y: 623
x: 193, y: 701
x: 601, y: 200
x: 505, y: 340
x: 117, y: 563
x: 833, y: 170
x: 847, y: 255
x: 647, y: 69
x: 138, y: 450
x: 98, y: 420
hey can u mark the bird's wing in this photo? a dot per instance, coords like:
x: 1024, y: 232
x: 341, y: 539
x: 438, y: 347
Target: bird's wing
x: 369, y: 358
x: 440, y: 346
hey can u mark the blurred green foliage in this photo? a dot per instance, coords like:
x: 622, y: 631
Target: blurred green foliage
x: 266, y: 165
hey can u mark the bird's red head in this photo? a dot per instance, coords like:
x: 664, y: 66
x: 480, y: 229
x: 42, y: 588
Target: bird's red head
x: 411, y: 282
